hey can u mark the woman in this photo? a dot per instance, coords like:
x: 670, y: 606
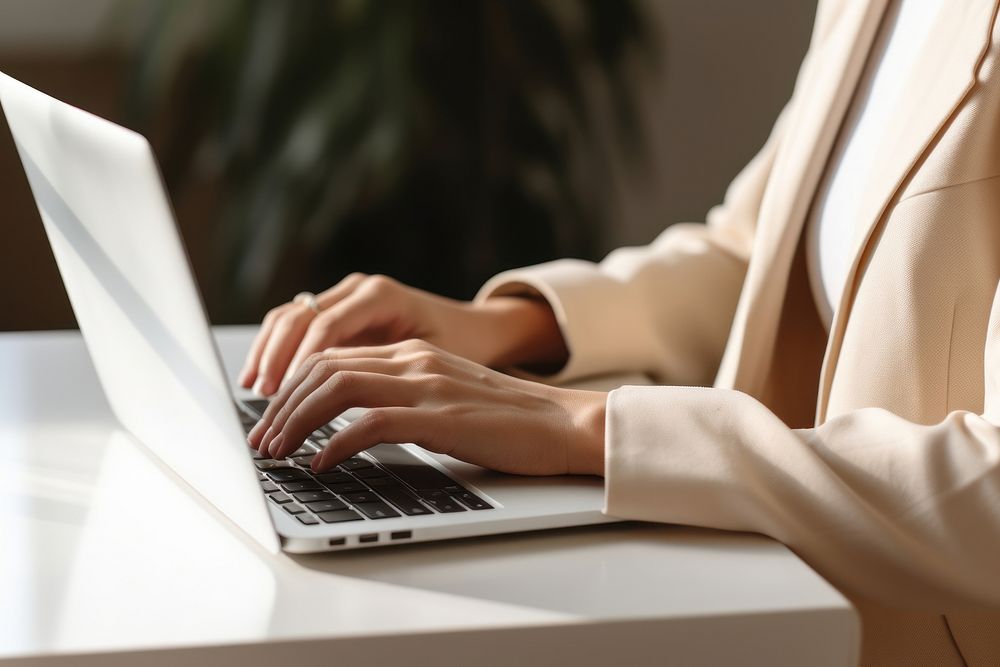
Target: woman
x: 842, y: 303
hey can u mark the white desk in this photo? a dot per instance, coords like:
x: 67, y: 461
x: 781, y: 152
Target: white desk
x: 105, y: 559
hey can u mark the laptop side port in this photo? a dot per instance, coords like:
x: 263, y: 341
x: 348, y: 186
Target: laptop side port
x: 338, y: 541
x: 401, y: 535
x: 370, y: 537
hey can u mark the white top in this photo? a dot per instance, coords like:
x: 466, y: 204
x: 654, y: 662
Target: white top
x: 835, y: 222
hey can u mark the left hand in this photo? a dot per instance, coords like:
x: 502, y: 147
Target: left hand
x: 443, y: 402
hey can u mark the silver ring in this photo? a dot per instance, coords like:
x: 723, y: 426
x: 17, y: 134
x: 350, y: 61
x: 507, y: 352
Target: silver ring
x: 308, y: 299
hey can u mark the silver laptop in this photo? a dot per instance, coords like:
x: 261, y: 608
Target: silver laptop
x: 108, y: 219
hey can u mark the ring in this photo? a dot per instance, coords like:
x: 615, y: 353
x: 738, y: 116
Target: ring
x: 308, y: 299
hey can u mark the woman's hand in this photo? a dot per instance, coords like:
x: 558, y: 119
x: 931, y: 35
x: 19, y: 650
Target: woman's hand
x: 376, y: 310
x: 443, y: 402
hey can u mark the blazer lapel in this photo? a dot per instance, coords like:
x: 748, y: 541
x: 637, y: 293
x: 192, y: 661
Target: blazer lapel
x: 942, y: 78
x: 824, y: 91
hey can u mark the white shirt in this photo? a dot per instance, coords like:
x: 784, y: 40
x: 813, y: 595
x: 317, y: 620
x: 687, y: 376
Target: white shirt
x: 834, y: 221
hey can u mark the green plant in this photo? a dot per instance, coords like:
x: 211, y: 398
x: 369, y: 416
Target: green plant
x: 435, y: 140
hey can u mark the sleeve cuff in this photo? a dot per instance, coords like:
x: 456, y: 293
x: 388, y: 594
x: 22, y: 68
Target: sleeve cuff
x: 673, y: 455
x: 592, y: 311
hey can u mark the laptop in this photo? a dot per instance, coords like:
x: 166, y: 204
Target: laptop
x: 112, y: 231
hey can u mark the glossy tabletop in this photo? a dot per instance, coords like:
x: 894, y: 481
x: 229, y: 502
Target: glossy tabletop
x: 107, y: 558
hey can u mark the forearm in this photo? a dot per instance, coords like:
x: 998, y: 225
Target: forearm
x: 523, y: 332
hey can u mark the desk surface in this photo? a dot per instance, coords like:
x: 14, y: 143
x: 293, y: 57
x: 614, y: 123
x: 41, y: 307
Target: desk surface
x: 107, y: 558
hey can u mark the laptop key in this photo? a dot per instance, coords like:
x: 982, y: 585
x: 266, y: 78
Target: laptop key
x: 334, y: 478
x: 370, y: 473
x: 360, y: 497
x: 292, y: 508
x: 351, y: 487
x: 241, y: 410
x: 280, y: 498
x: 472, y: 501
x: 409, y: 468
x: 338, y: 516
x: 355, y: 463
x: 268, y: 486
x: 307, y: 519
x: 313, y: 496
x: 444, y: 504
x: 258, y: 405
x: 260, y: 476
x: 287, y: 475
x: 319, y: 437
x: 271, y: 464
x: 304, y: 461
x: 403, y: 501
x: 376, y: 510
x: 382, y: 482
x: 326, y: 505
x: 301, y: 485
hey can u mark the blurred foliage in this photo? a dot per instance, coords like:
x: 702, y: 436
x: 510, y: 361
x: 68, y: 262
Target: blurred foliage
x: 438, y: 141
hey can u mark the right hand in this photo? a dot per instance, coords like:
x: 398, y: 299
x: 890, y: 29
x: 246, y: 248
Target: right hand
x: 376, y: 310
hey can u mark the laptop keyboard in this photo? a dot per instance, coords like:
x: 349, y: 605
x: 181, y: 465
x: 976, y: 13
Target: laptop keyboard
x: 386, y: 481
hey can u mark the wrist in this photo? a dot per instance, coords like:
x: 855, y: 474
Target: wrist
x: 524, y: 333
x: 585, y: 453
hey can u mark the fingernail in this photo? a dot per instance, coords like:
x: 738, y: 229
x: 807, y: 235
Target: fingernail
x: 275, y: 447
x: 258, y: 387
x: 253, y: 437
x: 317, y: 462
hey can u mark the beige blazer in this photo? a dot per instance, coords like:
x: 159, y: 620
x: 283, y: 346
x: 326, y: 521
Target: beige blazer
x: 874, y: 451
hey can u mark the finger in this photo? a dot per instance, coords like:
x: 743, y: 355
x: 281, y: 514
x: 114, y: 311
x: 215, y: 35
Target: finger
x: 410, y: 354
x: 343, y: 390
x: 316, y: 339
x: 391, y: 351
x: 325, y: 299
x: 270, y: 442
x: 330, y: 297
x: 362, y: 309
x: 389, y: 424
x: 353, y: 315
x: 261, y: 435
x: 281, y: 345
x: 292, y: 394
x: 317, y: 333
x: 404, y: 348
x: 250, y: 365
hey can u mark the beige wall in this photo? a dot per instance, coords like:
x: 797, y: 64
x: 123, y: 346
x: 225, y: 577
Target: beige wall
x: 728, y: 67
x: 727, y: 70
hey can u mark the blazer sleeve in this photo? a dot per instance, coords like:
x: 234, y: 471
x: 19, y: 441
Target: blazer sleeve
x: 664, y: 309
x: 898, y: 512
